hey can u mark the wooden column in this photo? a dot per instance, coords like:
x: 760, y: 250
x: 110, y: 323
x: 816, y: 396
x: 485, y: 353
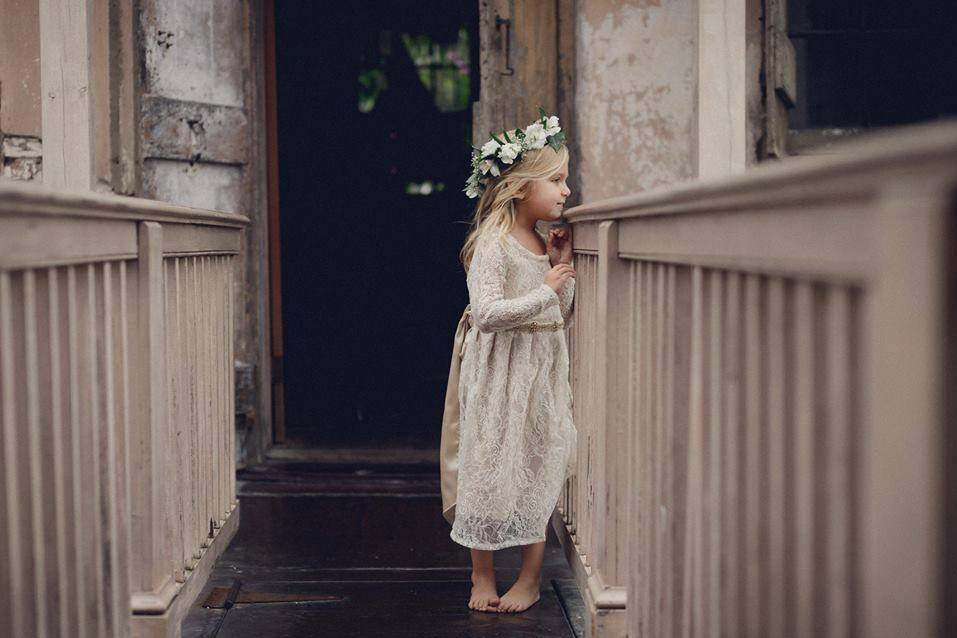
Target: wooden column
x: 722, y: 77
x: 65, y: 55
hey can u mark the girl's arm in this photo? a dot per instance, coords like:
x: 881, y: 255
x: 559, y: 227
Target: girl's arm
x: 490, y: 310
x: 566, y: 296
x: 558, y: 245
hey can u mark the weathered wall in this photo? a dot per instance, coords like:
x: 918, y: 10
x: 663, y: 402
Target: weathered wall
x: 20, y: 152
x: 665, y: 91
x: 635, y: 95
x: 20, y: 67
x: 200, y: 144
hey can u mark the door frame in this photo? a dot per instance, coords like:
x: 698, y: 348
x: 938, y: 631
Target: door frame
x: 272, y: 214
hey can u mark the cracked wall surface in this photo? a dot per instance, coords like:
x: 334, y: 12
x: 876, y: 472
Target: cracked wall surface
x: 635, y: 95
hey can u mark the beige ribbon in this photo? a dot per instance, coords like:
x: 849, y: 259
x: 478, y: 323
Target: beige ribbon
x: 449, y: 444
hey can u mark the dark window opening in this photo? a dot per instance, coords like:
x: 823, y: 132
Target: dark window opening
x: 872, y: 63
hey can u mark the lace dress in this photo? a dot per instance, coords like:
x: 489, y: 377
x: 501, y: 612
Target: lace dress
x: 517, y: 435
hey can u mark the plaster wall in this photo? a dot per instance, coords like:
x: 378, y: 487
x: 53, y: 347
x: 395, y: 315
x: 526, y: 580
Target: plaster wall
x: 20, y: 68
x: 194, y: 50
x: 635, y: 95
x: 21, y: 153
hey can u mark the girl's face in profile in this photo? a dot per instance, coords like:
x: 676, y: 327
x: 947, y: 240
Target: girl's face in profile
x: 545, y: 198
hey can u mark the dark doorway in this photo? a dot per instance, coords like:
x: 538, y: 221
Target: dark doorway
x: 374, y: 130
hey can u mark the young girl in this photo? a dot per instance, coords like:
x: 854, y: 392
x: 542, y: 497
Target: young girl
x: 513, y: 397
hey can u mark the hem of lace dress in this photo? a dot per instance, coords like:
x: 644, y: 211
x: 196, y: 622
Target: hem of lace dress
x: 494, y: 546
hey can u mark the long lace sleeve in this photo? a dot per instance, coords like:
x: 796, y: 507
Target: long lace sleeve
x: 490, y: 310
x: 565, y: 297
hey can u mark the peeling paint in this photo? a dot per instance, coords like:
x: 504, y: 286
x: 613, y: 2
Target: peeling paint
x: 191, y: 50
x: 636, y: 125
x: 197, y: 184
x: 22, y: 158
x: 164, y: 39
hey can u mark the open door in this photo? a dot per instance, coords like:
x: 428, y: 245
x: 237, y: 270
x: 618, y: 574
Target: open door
x: 528, y: 59
x: 369, y: 111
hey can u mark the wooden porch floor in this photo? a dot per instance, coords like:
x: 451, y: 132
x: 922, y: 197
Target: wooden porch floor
x: 362, y: 550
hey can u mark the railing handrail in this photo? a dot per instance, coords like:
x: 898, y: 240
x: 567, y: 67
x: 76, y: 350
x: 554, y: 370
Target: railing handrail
x: 930, y: 143
x: 26, y: 198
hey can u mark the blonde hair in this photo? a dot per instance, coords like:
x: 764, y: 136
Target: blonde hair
x: 495, y: 211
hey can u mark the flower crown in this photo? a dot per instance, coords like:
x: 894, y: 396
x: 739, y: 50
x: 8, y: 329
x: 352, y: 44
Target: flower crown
x: 496, y: 155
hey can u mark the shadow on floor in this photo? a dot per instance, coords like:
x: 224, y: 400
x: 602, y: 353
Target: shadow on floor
x: 352, y: 550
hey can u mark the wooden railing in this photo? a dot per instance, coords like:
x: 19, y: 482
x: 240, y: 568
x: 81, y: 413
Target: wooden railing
x: 116, y: 400
x: 760, y: 369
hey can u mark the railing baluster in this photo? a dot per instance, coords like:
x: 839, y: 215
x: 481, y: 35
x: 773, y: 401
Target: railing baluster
x: 76, y: 464
x: 693, y: 462
x: 58, y: 457
x: 112, y: 595
x: 804, y: 460
x: 715, y: 428
x: 649, y: 516
x: 754, y: 479
x: 121, y: 453
x: 731, y: 509
x: 34, y: 459
x: 229, y: 373
x: 778, y: 599
x: 14, y: 554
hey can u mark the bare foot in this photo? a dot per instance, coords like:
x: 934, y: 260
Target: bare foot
x: 484, y: 597
x: 522, y: 595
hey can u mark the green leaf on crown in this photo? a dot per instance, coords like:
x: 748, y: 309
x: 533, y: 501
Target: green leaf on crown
x: 500, y: 142
x: 555, y: 141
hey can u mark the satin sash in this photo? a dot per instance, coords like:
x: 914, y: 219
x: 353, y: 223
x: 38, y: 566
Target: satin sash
x: 449, y: 444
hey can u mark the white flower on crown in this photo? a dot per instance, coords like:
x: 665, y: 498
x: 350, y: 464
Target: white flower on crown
x: 496, y: 155
x: 491, y: 147
x: 551, y: 126
x: 509, y: 152
x: 489, y: 165
x: 535, y: 135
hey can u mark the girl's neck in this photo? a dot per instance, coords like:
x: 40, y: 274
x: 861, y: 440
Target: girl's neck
x: 525, y: 224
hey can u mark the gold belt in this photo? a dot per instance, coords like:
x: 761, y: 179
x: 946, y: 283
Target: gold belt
x: 535, y: 326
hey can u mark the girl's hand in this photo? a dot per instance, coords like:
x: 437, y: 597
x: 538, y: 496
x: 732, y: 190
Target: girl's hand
x: 557, y: 275
x: 559, y: 245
